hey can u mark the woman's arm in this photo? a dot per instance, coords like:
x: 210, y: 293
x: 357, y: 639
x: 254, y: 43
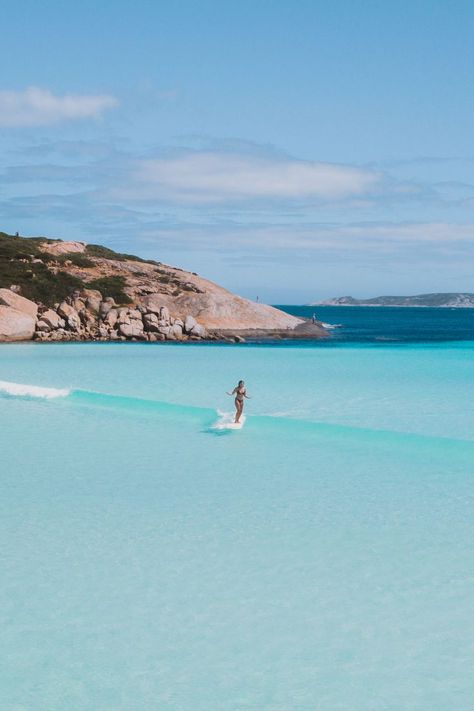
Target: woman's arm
x: 249, y: 397
x: 232, y: 393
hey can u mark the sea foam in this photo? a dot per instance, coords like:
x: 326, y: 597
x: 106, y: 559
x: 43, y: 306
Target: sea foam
x: 23, y: 390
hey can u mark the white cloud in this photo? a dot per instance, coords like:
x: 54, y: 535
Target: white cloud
x: 345, y: 241
x: 40, y: 107
x: 218, y: 177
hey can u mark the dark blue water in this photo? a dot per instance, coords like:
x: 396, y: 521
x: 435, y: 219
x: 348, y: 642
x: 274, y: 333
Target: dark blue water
x: 365, y: 324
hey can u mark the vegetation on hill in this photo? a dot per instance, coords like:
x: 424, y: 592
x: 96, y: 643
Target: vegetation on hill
x: 97, y: 250
x: 22, y: 263
x: 36, y: 272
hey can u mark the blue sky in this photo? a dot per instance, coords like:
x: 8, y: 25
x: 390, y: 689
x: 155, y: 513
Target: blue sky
x: 287, y: 150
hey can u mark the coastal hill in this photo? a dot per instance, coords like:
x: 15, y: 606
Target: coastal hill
x: 449, y: 300
x: 58, y: 290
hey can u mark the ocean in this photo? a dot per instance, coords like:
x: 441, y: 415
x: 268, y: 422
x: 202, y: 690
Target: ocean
x: 318, y: 559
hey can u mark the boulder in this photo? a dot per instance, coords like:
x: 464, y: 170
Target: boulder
x: 189, y: 323
x: 123, y: 317
x: 150, y: 321
x: 74, y: 322
x: 164, y: 314
x: 199, y: 331
x: 15, y: 301
x: 70, y: 315
x: 176, y: 331
x: 87, y: 318
x: 111, y: 318
x: 16, y: 325
x: 43, y: 327
x: 107, y: 304
x: 65, y: 309
x: 134, y: 329
x: 78, y: 304
x: 135, y: 314
x: 93, y: 304
x: 153, y: 303
x: 52, y: 319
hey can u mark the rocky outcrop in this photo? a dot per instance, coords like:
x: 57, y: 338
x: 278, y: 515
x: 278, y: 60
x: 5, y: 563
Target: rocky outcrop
x: 60, y: 247
x: 86, y: 316
x: 154, y: 285
x: 16, y: 325
x: 155, y: 301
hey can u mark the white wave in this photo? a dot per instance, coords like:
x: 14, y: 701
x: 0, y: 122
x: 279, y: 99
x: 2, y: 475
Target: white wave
x: 22, y: 390
x: 330, y: 326
x: 226, y: 421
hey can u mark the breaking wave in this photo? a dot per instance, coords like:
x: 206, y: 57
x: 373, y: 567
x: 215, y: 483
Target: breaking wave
x: 36, y: 391
x: 205, y: 417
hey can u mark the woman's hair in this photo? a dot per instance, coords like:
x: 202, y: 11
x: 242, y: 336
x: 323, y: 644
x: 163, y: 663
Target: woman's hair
x: 241, y: 382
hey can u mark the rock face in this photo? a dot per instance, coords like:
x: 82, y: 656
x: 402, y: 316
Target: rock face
x: 157, y: 286
x: 61, y: 247
x: 216, y: 308
x: 15, y: 301
x: 16, y: 325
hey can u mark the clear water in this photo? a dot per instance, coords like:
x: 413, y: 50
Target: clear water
x: 362, y: 324
x: 319, y: 558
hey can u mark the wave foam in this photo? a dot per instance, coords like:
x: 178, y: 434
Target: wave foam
x: 22, y: 390
x: 226, y: 421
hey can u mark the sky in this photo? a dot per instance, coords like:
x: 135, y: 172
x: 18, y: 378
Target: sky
x: 288, y: 150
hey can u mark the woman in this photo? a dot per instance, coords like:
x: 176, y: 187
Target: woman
x: 240, y: 393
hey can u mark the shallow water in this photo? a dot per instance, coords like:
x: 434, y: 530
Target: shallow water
x: 319, y: 558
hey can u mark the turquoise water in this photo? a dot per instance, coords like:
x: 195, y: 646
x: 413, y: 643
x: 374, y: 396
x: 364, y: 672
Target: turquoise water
x: 319, y: 558
x: 368, y: 324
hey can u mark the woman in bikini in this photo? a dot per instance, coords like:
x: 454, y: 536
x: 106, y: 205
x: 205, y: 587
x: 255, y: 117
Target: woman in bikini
x: 240, y: 393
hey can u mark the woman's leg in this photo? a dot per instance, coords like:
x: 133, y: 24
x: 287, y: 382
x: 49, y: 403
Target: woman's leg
x: 239, y: 406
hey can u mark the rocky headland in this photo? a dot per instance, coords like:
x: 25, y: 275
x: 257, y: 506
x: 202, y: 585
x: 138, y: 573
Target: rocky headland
x: 52, y: 290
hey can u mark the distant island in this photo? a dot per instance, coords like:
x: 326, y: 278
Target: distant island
x: 54, y: 290
x: 456, y: 300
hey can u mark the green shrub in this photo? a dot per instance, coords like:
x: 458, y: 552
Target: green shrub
x: 35, y: 280
x: 111, y: 286
x: 78, y: 259
x: 97, y: 250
